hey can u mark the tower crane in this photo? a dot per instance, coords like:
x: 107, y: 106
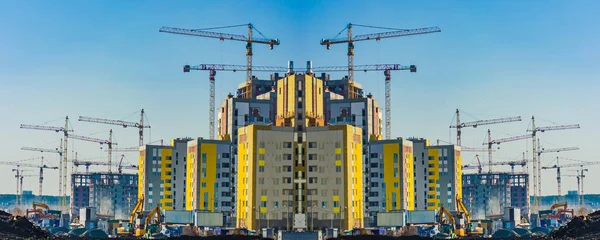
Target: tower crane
x: 459, y: 126
x: 498, y: 142
x: 62, y: 190
x: 557, y: 166
x: 539, y: 157
x: 120, y: 167
x: 580, y: 175
x: 479, y: 168
x: 512, y: 164
x: 57, y: 150
x: 248, y: 92
x: 386, y: 68
x: 19, y: 176
x: 133, y: 149
x: 41, y: 167
x: 465, y: 148
x: 373, y: 36
x: 108, y: 142
x: 537, y: 181
x: 140, y: 126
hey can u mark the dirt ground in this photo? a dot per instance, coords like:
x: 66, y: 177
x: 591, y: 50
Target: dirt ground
x: 584, y: 228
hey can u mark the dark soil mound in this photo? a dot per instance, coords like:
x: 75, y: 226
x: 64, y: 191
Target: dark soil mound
x: 18, y: 227
x: 585, y: 227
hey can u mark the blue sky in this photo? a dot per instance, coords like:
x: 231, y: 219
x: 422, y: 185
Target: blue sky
x: 107, y: 59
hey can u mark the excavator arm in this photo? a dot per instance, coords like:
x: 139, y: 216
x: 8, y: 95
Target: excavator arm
x: 155, y: 211
x: 42, y: 205
x: 443, y: 211
x: 462, y: 208
x: 139, y: 206
x: 564, y: 205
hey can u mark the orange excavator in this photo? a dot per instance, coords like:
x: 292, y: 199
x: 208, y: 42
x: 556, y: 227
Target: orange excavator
x: 561, y: 213
x: 37, y: 209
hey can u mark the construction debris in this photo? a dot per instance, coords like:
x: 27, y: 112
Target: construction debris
x: 18, y: 227
x: 583, y: 227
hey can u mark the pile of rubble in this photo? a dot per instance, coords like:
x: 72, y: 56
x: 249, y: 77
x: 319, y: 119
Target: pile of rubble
x: 17, y: 227
x: 584, y: 227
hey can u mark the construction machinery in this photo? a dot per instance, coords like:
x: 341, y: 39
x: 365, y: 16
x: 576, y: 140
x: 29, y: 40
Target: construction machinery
x: 140, y: 126
x: 479, y: 166
x: 386, y: 68
x: 120, y: 166
x: 108, y: 142
x: 557, y: 166
x: 459, y: 126
x: 539, y: 157
x: 562, y: 214
x: 248, y: 92
x: 537, y: 181
x: 498, y: 142
x: 447, y: 226
x: 465, y: 226
x: 62, y: 190
x: 37, y: 209
x: 135, y: 220
x: 153, y: 228
x: 41, y: 167
x: 58, y: 150
x: 350, y: 40
x: 580, y: 175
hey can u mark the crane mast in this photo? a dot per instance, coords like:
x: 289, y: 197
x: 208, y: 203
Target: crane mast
x: 558, y: 167
x: 42, y: 166
x: 539, y: 157
x: 386, y: 68
x: 63, y: 164
x: 248, y: 92
x: 459, y: 126
x: 42, y: 163
x: 498, y: 142
x: 101, y: 141
x: 349, y: 39
x: 537, y: 173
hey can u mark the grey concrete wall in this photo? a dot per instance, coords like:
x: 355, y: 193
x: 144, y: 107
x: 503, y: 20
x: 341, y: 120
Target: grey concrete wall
x: 421, y: 178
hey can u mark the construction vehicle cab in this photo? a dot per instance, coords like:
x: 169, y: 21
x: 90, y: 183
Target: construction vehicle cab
x: 465, y: 225
x: 561, y: 215
x: 447, y: 226
x: 153, y: 228
x: 129, y: 228
x: 38, y: 213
